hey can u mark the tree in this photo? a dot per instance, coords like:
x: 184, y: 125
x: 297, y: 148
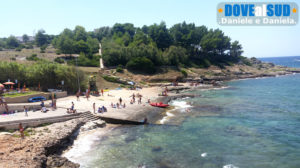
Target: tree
x: 80, y: 33
x: 215, y: 42
x: 160, y: 35
x: 176, y: 55
x: 142, y: 64
x: 12, y: 42
x: 25, y: 38
x: 103, y: 32
x: 41, y: 38
x: 236, y: 49
x: 140, y: 38
x: 93, y: 45
x: 81, y: 46
x: 187, y: 35
x: 66, y: 45
x: 121, y: 29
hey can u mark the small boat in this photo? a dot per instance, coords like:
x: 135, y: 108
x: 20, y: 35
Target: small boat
x: 159, y: 105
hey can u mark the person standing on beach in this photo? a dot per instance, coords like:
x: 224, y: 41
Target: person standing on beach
x: 94, y: 107
x: 21, y: 129
x: 87, y: 94
x: 6, y: 107
x: 26, y: 110
x: 120, y: 100
x: 77, y: 95
x: 54, y: 104
x: 102, y: 92
x: 72, y: 107
x: 133, y: 97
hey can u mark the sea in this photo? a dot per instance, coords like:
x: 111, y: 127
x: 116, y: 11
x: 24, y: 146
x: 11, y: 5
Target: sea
x: 251, y: 123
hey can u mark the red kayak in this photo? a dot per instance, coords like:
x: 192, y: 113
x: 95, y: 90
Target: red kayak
x: 159, y: 105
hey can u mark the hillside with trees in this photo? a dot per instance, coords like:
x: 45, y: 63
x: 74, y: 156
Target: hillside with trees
x: 139, y: 48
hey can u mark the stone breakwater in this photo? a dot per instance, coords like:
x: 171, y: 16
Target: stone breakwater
x: 41, y: 147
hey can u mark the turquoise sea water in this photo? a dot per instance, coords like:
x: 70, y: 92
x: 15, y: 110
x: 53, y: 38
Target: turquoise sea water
x: 253, y: 123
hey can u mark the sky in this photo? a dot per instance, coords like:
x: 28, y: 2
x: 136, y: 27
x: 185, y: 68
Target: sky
x: 20, y: 17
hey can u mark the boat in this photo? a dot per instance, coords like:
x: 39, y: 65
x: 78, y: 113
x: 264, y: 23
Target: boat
x: 159, y: 105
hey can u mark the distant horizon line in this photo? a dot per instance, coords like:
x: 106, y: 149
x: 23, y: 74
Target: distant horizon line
x: 277, y: 56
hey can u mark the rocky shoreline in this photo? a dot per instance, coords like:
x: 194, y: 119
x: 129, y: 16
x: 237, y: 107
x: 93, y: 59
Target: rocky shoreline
x: 44, y: 145
x: 41, y: 147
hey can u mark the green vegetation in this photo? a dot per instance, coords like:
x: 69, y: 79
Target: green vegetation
x: 111, y: 79
x: 141, y: 64
x: 184, y: 73
x: 114, y: 79
x: 21, y: 94
x: 59, y: 60
x: 120, y: 69
x: 33, y: 57
x: 183, y: 44
x: 48, y: 74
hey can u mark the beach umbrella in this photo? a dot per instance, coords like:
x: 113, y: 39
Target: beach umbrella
x: 1, y: 86
x: 8, y: 83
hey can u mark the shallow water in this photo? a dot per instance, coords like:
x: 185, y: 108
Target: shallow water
x: 253, y: 123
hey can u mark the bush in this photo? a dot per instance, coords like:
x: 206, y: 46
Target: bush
x: 111, y: 79
x: 59, y: 60
x: 184, y: 73
x: 48, y: 74
x: 18, y: 49
x: 82, y: 60
x: 120, y: 69
x: 29, y: 46
x: 33, y: 57
x: 142, y: 64
x: 57, y: 52
x: 43, y: 48
x: 114, y: 79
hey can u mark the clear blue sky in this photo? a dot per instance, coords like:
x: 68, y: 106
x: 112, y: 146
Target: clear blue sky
x: 20, y: 16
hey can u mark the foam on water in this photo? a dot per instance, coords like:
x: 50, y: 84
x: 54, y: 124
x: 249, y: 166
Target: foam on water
x: 230, y: 166
x: 203, y: 154
x: 165, y: 118
x: 81, y: 145
x: 180, y: 104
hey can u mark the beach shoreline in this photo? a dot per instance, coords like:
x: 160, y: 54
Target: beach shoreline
x: 132, y: 112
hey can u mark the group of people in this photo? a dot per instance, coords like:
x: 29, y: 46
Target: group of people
x: 119, y: 104
x: 72, y: 109
x: 43, y: 109
x: 100, y: 109
x: 139, y: 97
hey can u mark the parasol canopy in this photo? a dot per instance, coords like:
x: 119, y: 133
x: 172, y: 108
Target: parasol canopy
x: 8, y: 83
x: 1, y: 86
